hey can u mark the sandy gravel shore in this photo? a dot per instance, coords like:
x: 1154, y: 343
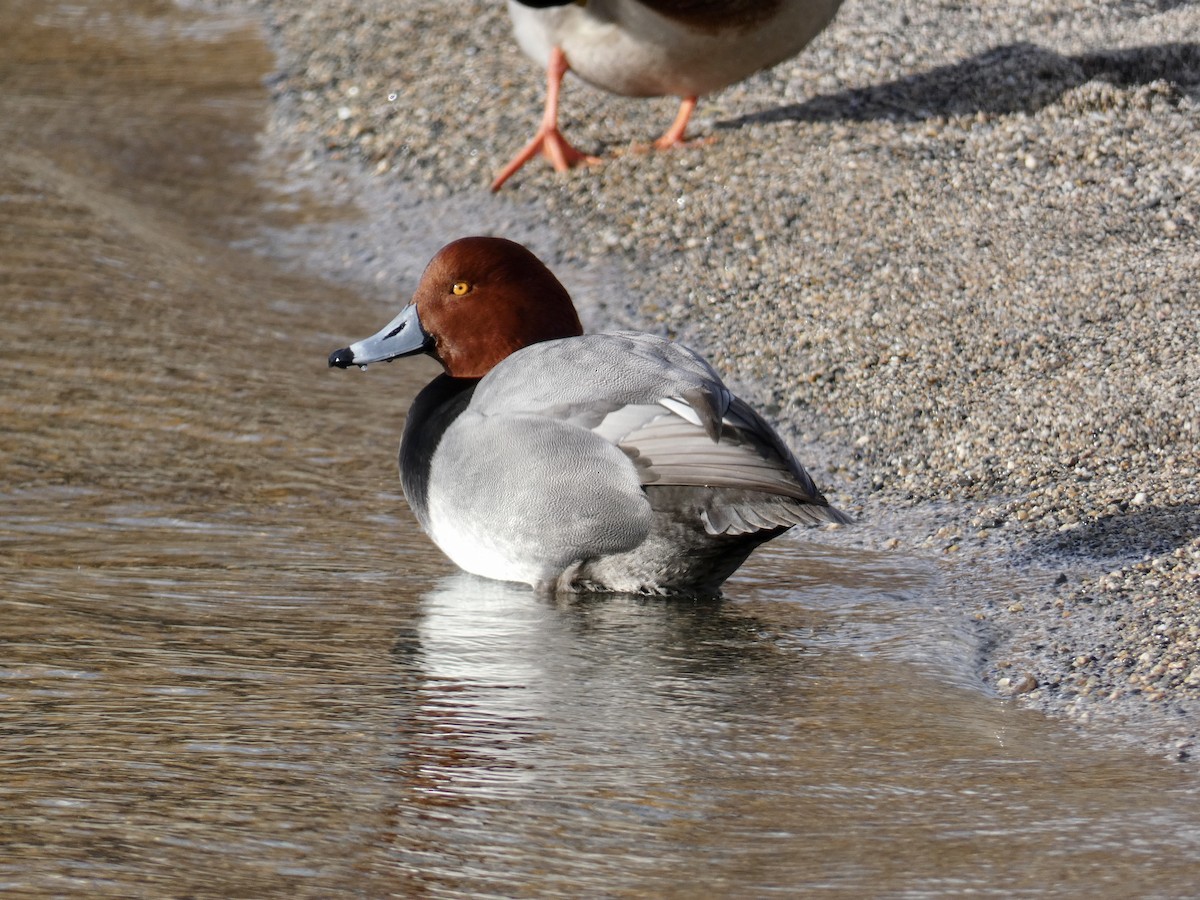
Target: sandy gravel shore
x: 953, y: 246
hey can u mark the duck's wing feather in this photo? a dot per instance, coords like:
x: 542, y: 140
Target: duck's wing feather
x: 669, y: 412
x: 583, y: 379
x: 755, y: 481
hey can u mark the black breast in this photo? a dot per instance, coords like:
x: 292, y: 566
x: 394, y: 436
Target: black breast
x: 435, y: 408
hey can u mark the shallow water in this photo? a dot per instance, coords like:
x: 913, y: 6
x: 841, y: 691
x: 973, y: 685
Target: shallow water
x: 231, y: 666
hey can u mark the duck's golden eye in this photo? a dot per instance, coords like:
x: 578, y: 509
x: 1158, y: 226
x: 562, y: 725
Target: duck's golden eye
x: 460, y: 288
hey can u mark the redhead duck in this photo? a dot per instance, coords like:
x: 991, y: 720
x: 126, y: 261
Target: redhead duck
x: 654, y: 48
x: 572, y: 462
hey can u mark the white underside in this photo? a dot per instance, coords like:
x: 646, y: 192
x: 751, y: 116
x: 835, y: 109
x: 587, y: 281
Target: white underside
x: 623, y: 47
x: 480, y: 553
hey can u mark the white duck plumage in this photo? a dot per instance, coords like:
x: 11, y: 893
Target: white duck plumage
x: 651, y: 48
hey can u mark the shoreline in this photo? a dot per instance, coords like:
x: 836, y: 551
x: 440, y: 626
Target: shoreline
x: 952, y: 253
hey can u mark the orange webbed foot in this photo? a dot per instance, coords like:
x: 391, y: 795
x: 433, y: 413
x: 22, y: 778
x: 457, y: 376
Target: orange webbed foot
x: 549, y: 140
x: 550, y: 143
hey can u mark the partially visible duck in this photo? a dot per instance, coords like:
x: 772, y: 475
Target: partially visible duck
x: 573, y: 462
x: 654, y: 48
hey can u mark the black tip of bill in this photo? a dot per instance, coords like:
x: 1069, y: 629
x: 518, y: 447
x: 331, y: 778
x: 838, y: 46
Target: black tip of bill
x: 341, y: 359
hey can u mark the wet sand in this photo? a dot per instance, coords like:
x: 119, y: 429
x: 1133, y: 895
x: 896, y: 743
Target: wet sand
x: 953, y: 249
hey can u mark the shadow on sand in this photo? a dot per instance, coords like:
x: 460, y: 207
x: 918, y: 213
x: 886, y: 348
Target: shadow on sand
x: 1014, y: 78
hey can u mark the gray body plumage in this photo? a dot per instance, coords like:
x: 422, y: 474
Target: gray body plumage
x: 603, y: 462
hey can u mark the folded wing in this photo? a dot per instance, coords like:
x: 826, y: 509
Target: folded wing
x: 670, y: 413
x: 756, y: 482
